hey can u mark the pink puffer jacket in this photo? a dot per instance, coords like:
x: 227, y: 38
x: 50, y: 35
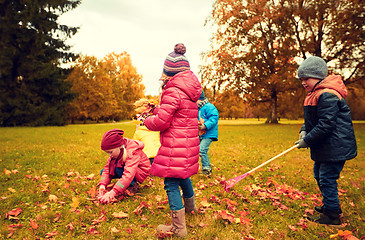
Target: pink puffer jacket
x: 176, y: 119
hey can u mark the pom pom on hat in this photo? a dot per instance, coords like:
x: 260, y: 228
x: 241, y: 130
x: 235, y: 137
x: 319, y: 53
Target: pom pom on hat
x: 202, y: 96
x: 112, y: 139
x: 313, y: 67
x: 175, y: 62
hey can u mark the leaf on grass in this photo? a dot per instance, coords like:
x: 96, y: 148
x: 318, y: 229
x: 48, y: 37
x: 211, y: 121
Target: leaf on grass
x: 204, y: 203
x: 91, y: 176
x: 102, y: 218
x: 58, y: 216
x: 310, y: 211
x: 70, y: 226
x: 15, y: 212
x: 120, y: 214
x: 92, y: 192
x: 12, y: 190
x: 114, y: 230
x: 163, y: 235
x: 245, y: 221
x: 92, y: 231
x: 226, y: 216
x: 75, y: 203
x: 347, y: 235
x: 52, y: 198
x: 52, y: 234
x: 7, y: 172
x: 138, y: 210
x: 292, y: 228
x: 202, y: 225
x: 129, y: 230
x: 33, y: 224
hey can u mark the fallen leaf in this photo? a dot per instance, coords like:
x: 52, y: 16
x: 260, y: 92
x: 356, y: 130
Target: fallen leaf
x: 202, y: 225
x: 52, y: 198
x: 70, y: 226
x: 91, y: 176
x: 102, y: 218
x: 204, y: 203
x: 33, y: 224
x: 292, y: 228
x: 114, y: 230
x: 58, y: 215
x: 52, y: 234
x: 7, y: 172
x: 14, y: 212
x: 75, y: 202
x: 12, y: 190
x: 120, y: 214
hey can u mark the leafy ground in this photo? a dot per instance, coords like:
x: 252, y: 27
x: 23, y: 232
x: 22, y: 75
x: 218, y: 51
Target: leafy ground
x: 49, y: 175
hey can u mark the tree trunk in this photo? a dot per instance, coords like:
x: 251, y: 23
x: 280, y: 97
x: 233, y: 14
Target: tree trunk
x: 274, y: 108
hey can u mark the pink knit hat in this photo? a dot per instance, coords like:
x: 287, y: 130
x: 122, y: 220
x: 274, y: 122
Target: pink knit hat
x: 112, y: 139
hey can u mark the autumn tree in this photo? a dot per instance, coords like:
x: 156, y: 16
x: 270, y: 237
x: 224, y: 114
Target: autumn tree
x: 257, y: 44
x: 126, y: 83
x: 32, y: 48
x: 254, y: 51
x: 95, y: 97
x: 230, y: 105
x: 106, y: 89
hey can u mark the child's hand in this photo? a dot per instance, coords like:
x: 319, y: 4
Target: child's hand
x: 101, y: 191
x: 108, y: 197
x: 301, y: 144
x: 302, y: 134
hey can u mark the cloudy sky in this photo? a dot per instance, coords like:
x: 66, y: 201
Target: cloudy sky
x: 146, y: 29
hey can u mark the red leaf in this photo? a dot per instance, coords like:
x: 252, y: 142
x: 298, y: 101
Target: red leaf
x: 292, y: 228
x: 70, y: 226
x: 102, y: 218
x: 33, y: 224
x: 14, y: 212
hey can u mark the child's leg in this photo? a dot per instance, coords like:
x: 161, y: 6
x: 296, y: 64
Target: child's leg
x: 203, y: 153
x: 329, y: 172
x: 173, y: 193
x: 187, y: 188
x: 119, y: 173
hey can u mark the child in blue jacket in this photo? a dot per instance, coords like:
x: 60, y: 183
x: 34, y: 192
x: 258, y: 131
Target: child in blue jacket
x: 327, y: 131
x: 208, y: 130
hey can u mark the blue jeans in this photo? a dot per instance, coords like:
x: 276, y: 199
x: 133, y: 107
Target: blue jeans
x: 326, y: 175
x: 173, y: 191
x: 118, y: 174
x: 203, y: 153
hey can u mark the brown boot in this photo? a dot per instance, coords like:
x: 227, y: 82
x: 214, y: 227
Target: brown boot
x: 189, y: 204
x: 178, y: 226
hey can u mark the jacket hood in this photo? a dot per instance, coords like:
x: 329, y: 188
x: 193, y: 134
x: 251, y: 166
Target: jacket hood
x: 188, y: 83
x: 333, y: 82
x: 132, y: 145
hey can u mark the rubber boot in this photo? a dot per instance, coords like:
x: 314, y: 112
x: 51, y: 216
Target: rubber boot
x: 328, y: 218
x: 178, y: 226
x: 189, y: 204
x: 320, y: 209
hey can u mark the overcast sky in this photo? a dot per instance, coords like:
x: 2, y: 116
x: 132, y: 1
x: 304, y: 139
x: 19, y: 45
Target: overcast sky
x: 146, y: 29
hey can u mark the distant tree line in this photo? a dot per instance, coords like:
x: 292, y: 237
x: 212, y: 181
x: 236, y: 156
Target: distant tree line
x: 257, y: 45
x: 250, y: 70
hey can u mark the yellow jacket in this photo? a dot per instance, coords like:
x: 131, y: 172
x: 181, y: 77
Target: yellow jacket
x: 151, y: 140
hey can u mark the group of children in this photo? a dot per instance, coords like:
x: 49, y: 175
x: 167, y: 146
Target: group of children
x: 185, y: 124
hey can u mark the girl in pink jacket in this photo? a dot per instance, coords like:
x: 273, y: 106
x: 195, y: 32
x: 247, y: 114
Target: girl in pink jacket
x: 176, y: 119
x: 126, y: 161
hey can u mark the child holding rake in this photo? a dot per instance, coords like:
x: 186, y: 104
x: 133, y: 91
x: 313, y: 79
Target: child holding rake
x: 327, y: 131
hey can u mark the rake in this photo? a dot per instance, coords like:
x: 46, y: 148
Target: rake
x: 231, y: 182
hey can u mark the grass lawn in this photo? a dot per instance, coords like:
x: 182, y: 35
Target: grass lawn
x: 49, y: 174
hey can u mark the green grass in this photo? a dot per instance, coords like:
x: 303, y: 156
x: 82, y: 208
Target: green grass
x: 46, y: 161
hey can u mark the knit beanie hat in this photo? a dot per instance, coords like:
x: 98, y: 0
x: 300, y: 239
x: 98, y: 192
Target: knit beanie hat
x: 112, y: 139
x: 175, y: 62
x: 313, y: 67
x: 202, y: 96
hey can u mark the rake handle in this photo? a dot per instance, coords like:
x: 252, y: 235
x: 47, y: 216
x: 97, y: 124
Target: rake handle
x: 273, y: 158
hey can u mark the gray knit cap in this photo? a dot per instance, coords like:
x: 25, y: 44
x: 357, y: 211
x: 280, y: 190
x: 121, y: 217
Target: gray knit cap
x: 313, y: 67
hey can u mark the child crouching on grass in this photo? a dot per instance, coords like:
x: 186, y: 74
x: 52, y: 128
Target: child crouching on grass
x: 126, y: 161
